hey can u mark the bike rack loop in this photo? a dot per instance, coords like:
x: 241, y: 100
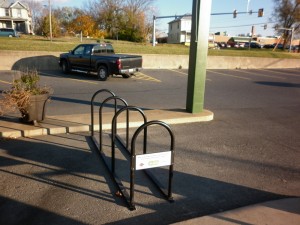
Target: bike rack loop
x: 133, y: 156
x: 115, y: 98
x: 92, y: 106
x: 114, y: 132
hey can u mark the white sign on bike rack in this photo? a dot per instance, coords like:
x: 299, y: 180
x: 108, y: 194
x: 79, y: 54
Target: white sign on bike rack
x: 153, y: 160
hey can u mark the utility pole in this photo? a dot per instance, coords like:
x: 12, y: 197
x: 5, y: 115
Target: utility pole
x: 292, y: 36
x: 153, y: 34
x: 198, y: 55
x: 50, y: 20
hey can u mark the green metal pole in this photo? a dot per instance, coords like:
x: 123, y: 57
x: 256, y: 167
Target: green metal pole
x: 198, y: 55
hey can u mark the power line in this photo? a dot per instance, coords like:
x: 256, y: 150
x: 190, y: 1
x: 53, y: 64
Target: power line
x: 245, y: 25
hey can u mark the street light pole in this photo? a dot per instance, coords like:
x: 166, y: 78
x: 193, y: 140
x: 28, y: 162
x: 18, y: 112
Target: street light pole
x: 50, y: 20
x: 292, y: 36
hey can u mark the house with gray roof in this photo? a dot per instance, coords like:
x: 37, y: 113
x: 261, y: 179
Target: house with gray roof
x: 16, y: 15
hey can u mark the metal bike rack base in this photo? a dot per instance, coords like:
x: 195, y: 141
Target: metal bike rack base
x: 115, y: 138
x: 121, y: 188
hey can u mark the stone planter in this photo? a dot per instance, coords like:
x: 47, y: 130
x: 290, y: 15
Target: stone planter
x: 36, y: 109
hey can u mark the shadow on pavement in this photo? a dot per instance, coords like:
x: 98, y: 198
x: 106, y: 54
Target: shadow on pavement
x: 14, y: 212
x: 43, y: 177
x: 84, y: 102
x: 279, y: 84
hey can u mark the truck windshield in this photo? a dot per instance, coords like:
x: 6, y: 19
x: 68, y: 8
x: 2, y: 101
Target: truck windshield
x: 79, y: 50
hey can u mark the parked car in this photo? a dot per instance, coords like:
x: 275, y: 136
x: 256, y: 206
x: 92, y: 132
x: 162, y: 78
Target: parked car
x: 8, y: 32
x: 242, y: 45
x: 239, y: 45
x: 223, y: 45
x: 295, y: 47
x: 279, y: 46
x: 253, y: 45
x: 269, y: 45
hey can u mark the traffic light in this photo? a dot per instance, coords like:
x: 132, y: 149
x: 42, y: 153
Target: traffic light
x: 265, y: 26
x: 260, y: 12
x: 234, y: 13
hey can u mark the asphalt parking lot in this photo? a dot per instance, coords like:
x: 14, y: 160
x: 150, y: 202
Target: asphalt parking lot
x: 166, y: 89
x: 248, y: 154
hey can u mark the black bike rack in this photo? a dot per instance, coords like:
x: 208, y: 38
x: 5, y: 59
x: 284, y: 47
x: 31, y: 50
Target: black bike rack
x: 169, y: 154
x: 165, y: 156
x: 92, y: 106
x: 115, y: 98
x: 115, y: 136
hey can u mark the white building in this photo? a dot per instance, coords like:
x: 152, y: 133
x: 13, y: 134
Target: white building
x: 16, y: 15
x: 180, y: 30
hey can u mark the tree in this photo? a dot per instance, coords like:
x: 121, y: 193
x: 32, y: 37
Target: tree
x: 286, y: 15
x: 66, y: 16
x: 36, y: 9
x: 107, y: 13
x: 126, y: 19
x: 44, y: 27
x: 134, y: 26
x: 87, y: 25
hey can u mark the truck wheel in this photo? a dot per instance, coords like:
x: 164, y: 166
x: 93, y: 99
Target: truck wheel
x: 102, y: 73
x: 65, y: 67
x: 126, y: 75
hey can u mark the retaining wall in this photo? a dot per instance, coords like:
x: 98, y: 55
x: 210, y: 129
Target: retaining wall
x: 13, y: 60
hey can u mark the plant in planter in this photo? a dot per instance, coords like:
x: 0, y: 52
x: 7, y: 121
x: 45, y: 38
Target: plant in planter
x: 27, y: 96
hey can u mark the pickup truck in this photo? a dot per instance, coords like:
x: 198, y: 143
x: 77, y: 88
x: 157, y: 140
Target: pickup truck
x: 100, y: 58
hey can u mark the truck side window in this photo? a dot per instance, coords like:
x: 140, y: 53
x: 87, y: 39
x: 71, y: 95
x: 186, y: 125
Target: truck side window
x: 87, y: 50
x: 97, y: 49
x: 103, y: 50
x: 110, y: 49
x: 79, y: 50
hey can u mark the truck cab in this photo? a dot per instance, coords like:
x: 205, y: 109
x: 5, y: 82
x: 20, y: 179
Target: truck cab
x: 100, y: 58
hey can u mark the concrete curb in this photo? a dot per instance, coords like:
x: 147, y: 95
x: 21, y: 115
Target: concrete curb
x: 10, y: 127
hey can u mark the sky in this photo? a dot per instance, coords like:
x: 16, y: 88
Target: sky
x: 242, y: 24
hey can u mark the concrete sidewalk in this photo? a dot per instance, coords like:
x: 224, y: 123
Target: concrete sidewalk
x: 278, y: 212
x: 11, y: 127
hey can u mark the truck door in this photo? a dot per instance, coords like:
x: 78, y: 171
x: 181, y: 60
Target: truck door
x: 80, y: 59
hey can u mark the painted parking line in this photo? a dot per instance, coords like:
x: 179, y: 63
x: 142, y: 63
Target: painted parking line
x: 261, y: 75
x: 5, y: 82
x: 228, y: 75
x: 185, y: 74
x: 176, y: 71
x: 282, y: 73
x: 142, y: 76
x: 77, y: 80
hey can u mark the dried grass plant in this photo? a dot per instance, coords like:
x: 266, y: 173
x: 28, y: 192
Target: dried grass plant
x: 18, y: 96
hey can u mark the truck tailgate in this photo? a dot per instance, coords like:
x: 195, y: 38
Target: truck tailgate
x: 131, y: 61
